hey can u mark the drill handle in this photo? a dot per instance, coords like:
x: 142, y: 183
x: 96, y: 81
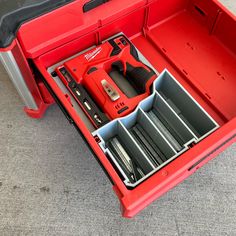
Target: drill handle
x: 138, y: 76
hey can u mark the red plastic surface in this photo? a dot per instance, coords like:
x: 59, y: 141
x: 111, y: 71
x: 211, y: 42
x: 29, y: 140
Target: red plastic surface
x: 219, y: 87
x: 37, y: 114
x: 68, y: 23
x: 193, y: 39
x: 47, y: 100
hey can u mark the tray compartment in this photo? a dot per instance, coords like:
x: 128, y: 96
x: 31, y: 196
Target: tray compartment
x: 140, y: 126
x: 143, y: 142
x: 184, y: 105
x: 203, y: 48
x: 167, y: 121
x: 115, y: 134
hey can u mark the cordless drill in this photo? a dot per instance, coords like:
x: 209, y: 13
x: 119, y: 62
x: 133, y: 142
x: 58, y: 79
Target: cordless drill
x: 106, y: 75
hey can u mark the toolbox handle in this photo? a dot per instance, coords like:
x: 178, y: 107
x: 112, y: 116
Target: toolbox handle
x: 93, y: 4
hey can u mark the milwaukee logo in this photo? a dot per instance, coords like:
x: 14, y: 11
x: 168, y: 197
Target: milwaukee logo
x: 93, y: 54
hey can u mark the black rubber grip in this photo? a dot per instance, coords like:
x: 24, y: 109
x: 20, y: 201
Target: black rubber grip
x: 138, y: 77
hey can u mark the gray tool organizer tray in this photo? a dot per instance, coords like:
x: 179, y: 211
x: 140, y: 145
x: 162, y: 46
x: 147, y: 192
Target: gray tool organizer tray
x: 161, y: 128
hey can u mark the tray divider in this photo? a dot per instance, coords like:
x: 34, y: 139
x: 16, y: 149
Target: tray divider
x: 148, y: 164
x: 155, y: 129
x: 175, y: 113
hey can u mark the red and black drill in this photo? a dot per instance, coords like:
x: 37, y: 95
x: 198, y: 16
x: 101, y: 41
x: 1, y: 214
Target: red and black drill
x: 108, y: 81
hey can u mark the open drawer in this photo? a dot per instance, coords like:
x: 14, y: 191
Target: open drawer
x: 189, y: 115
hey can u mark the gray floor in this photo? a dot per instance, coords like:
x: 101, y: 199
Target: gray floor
x: 50, y: 184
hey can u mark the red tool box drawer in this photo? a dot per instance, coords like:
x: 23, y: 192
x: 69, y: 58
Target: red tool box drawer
x: 189, y: 45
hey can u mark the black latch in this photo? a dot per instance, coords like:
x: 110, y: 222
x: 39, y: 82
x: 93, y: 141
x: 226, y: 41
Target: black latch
x: 93, y: 4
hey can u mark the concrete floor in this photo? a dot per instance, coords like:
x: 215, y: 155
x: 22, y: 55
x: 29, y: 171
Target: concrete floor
x: 50, y: 184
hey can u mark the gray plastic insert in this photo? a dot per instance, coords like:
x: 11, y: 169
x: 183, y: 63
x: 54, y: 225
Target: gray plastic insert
x: 169, y: 117
x: 187, y: 108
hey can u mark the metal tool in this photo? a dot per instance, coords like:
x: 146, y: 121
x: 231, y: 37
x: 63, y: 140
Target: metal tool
x: 133, y: 172
x: 140, y: 172
x: 164, y: 130
x: 122, y: 157
x: 147, y: 145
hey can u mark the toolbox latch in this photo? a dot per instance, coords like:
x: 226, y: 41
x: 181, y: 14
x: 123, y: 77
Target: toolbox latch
x: 93, y: 4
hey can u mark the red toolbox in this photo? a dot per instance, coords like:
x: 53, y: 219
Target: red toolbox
x: 149, y: 84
